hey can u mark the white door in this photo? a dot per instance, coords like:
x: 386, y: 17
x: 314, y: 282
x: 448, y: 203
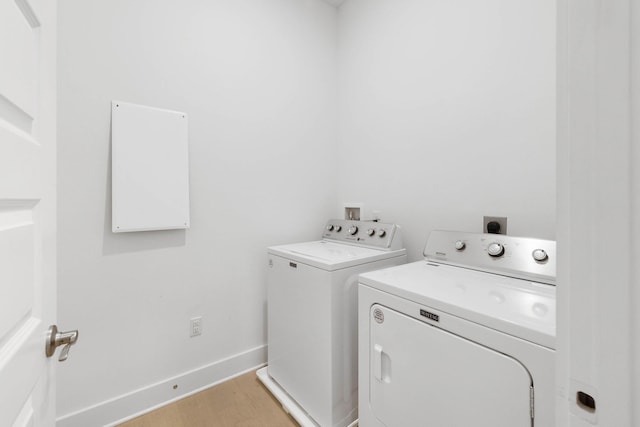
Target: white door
x: 421, y: 375
x: 27, y: 210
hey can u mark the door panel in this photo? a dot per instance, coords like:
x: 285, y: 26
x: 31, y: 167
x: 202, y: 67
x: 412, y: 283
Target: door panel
x: 16, y: 271
x: 27, y: 210
x: 421, y: 375
x: 19, y: 42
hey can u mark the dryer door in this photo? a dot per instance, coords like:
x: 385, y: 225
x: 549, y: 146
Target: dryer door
x: 421, y: 375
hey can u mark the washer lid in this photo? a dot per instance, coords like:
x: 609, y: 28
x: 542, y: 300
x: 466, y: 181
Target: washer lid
x: 332, y: 256
x: 517, y: 307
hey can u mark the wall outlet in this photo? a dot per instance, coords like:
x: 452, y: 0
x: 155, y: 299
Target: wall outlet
x: 196, y: 326
x: 494, y: 224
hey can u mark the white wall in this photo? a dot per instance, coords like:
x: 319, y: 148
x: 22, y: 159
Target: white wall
x: 447, y: 113
x: 257, y: 79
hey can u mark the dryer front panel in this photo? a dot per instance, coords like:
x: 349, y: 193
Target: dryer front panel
x: 421, y: 375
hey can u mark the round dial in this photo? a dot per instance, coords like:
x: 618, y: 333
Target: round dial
x: 460, y: 245
x: 371, y: 232
x: 382, y: 233
x: 353, y: 230
x: 338, y: 228
x: 329, y: 227
x: 495, y: 249
x: 540, y: 255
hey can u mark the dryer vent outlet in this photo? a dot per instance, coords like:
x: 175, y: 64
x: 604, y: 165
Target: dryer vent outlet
x: 494, y: 225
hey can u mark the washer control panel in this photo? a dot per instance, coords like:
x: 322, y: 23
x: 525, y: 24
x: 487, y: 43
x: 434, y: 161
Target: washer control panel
x: 378, y: 235
x: 522, y: 257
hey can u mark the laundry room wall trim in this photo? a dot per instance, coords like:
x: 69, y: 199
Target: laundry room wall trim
x: 131, y: 405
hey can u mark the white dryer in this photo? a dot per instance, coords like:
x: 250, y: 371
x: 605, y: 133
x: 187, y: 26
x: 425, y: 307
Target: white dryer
x: 464, y: 338
x: 312, y: 318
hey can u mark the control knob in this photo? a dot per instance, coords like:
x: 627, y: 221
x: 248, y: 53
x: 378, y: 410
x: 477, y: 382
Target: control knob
x: 371, y: 232
x: 540, y: 255
x: 382, y: 233
x: 353, y: 230
x: 460, y: 245
x: 495, y: 250
x: 329, y: 227
x: 338, y: 228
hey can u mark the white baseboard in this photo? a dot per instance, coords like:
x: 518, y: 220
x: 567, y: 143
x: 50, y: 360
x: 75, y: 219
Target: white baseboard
x: 127, y: 406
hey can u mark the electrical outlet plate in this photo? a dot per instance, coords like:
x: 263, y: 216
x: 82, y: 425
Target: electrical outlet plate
x: 502, y: 220
x: 196, y: 326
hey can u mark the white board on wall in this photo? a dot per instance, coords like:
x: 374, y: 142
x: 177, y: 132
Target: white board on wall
x: 150, y: 168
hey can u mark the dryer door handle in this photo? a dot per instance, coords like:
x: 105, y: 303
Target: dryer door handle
x: 381, y: 364
x: 377, y: 361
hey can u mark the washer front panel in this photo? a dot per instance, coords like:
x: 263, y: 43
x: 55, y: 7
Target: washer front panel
x: 312, y: 332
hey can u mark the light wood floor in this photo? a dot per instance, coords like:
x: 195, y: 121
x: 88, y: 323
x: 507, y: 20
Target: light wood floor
x: 240, y: 402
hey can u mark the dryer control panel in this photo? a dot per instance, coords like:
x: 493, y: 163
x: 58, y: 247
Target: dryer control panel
x: 521, y: 257
x: 372, y: 234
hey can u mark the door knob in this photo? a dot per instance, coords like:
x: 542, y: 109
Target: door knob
x: 55, y: 339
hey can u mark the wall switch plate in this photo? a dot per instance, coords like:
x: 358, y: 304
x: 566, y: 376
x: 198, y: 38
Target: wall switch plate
x: 196, y: 326
x: 489, y: 224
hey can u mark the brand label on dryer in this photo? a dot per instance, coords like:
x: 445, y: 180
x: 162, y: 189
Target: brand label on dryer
x: 378, y: 315
x: 429, y: 315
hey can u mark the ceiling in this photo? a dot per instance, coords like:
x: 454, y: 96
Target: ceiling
x: 335, y: 3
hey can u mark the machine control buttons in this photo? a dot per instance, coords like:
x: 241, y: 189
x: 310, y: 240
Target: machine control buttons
x: 352, y: 230
x: 338, y: 228
x: 382, y: 233
x: 329, y: 227
x: 495, y: 250
x: 371, y: 232
x: 540, y: 255
x: 460, y: 245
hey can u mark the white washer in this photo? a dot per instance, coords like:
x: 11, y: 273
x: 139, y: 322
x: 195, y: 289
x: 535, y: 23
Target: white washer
x: 312, y: 318
x: 465, y: 337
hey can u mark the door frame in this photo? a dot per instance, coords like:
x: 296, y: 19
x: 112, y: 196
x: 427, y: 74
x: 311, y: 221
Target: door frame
x: 598, y: 200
